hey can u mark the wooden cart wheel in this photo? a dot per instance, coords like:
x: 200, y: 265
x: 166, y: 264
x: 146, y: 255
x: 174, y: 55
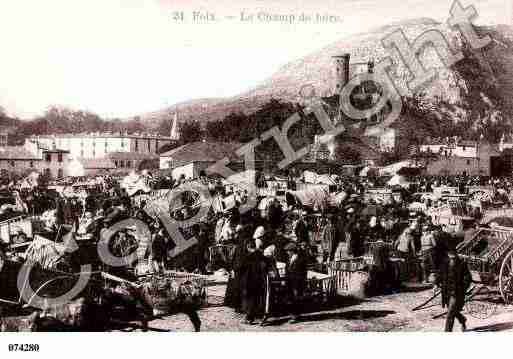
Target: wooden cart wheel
x: 506, y: 278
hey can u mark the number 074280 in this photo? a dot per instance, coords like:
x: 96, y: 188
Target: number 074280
x: 23, y: 347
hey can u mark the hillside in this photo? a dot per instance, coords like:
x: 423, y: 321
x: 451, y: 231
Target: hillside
x: 477, y: 91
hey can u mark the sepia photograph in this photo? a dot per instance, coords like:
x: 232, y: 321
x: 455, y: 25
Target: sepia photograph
x: 172, y: 166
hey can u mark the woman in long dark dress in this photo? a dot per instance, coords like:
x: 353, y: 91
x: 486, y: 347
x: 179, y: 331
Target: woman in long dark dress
x: 253, y: 281
x: 158, y: 248
x: 232, y: 297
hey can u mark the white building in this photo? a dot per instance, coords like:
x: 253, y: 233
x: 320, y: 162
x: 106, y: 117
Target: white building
x: 446, y: 148
x: 191, y: 159
x: 99, y: 145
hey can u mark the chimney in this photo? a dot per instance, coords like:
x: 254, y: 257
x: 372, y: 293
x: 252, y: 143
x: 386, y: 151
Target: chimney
x: 341, y: 72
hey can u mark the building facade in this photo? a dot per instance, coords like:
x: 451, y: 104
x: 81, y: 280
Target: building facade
x: 17, y: 160
x: 21, y: 160
x: 99, y: 145
x: 191, y: 159
x: 463, y: 158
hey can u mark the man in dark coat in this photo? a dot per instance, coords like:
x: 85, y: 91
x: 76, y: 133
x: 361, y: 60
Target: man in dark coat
x: 233, y: 294
x: 455, y: 278
x: 356, y: 246
x: 301, y: 230
x: 340, y: 234
x: 328, y: 239
x: 297, y: 271
x: 275, y: 214
x: 380, y: 271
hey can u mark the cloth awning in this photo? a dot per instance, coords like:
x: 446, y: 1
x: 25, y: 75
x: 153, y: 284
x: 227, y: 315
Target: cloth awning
x: 313, y: 198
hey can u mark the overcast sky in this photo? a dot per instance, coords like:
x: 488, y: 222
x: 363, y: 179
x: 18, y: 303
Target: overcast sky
x: 120, y: 58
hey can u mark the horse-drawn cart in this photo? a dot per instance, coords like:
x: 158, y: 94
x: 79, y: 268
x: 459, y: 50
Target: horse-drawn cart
x: 119, y: 303
x: 489, y: 255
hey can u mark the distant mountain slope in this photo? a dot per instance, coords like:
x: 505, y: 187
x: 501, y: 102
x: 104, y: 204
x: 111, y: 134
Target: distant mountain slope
x: 466, y: 92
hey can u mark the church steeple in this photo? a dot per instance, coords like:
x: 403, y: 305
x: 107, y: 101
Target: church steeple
x: 175, y: 132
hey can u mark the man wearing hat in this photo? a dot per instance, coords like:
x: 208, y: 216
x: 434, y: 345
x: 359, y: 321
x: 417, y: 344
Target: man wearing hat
x: 297, y: 269
x: 406, y: 249
x: 455, y: 278
x: 427, y: 246
x: 301, y: 228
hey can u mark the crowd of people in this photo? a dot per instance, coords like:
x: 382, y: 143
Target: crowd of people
x: 280, y: 240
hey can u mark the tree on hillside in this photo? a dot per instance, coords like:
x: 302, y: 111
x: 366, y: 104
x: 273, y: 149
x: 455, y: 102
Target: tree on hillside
x: 64, y: 120
x: 191, y: 132
x: 227, y: 129
x: 347, y: 154
x: 135, y: 125
x: 387, y: 158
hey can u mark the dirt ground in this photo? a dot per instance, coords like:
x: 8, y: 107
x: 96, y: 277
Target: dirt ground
x: 388, y: 313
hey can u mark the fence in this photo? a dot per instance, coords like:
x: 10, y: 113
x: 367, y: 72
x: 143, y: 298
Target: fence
x: 319, y: 290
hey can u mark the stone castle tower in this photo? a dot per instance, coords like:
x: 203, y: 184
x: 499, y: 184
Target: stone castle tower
x: 341, y: 67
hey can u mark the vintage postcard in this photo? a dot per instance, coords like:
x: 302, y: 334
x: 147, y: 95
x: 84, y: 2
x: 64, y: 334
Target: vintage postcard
x: 255, y: 166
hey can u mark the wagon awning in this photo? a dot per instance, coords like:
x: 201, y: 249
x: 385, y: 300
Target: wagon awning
x: 313, y: 197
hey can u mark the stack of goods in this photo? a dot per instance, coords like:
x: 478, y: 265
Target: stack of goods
x: 168, y: 295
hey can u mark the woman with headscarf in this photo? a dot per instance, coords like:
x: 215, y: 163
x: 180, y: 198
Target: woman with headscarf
x: 271, y: 263
x: 374, y: 230
x: 253, y: 283
x: 259, y: 237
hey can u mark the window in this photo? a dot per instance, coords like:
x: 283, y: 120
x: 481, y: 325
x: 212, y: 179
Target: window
x: 59, y: 157
x: 122, y: 164
x: 12, y: 163
x: 106, y: 146
x: 60, y: 173
x: 116, y: 164
x: 48, y: 157
x: 468, y: 162
x: 81, y: 153
x: 136, y: 145
x: 149, y: 145
x: 128, y: 164
x: 31, y: 164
